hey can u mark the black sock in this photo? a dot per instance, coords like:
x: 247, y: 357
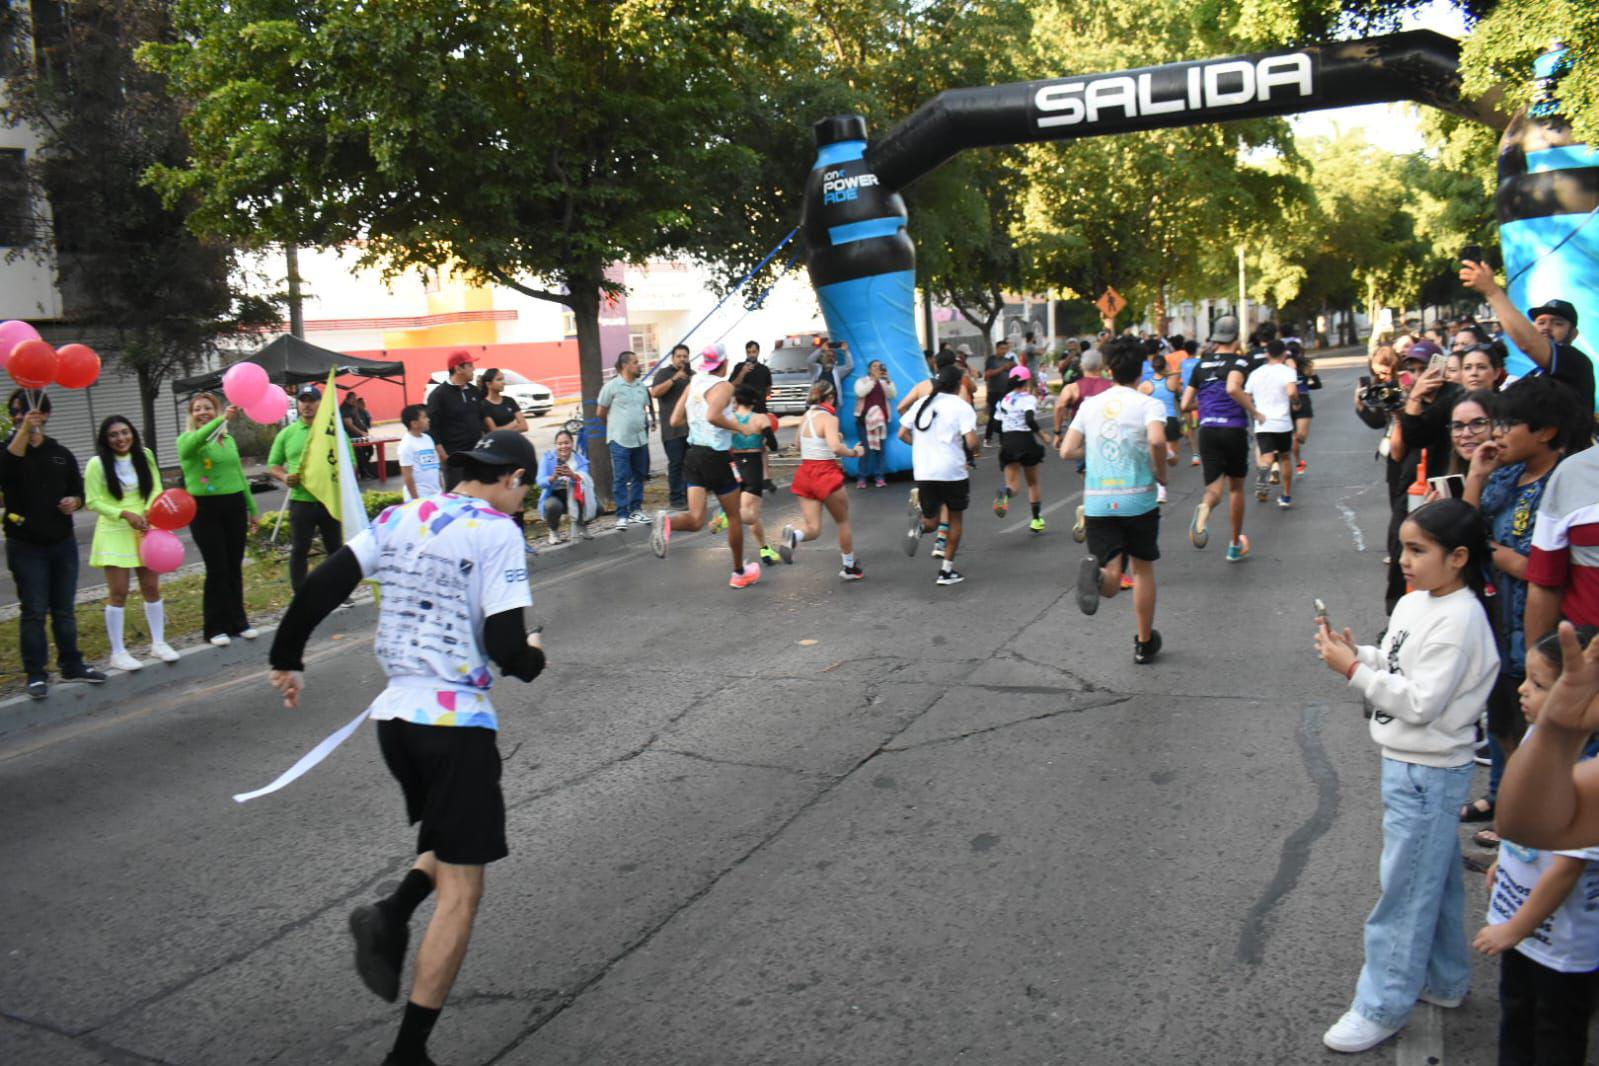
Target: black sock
x: 411, y: 1046
x: 1037, y: 504
x: 415, y: 887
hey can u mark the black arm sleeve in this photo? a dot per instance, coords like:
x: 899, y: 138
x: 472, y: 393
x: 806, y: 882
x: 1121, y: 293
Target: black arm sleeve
x: 327, y: 586
x: 1032, y: 423
x: 505, y: 639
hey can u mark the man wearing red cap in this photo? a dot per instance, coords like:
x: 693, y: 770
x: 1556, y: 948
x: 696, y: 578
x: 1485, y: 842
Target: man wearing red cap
x: 455, y: 414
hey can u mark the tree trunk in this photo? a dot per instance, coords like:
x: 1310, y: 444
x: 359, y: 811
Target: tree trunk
x: 149, y: 386
x: 584, y: 294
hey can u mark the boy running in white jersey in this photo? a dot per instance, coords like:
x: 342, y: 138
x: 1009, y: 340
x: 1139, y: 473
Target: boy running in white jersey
x: 1274, y: 387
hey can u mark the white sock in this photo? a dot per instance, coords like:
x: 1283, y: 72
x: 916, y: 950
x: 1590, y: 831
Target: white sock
x: 113, y: 629
x: 849, y: 558
x: 156, y: 615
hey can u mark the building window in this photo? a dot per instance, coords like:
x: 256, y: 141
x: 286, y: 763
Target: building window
x: 16, y: 199
x: 642, y: 339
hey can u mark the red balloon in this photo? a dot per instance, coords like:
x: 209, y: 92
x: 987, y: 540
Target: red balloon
x: 77, y: 366
x: 172, y: 510
x: 32, y: 365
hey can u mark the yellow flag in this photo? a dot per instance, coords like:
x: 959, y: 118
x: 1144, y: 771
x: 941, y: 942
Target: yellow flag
x: 327, y: 469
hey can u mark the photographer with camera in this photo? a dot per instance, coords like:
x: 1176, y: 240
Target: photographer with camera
x: 1378, y: 401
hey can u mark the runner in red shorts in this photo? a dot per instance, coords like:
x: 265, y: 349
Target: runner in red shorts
x: 819, y: 482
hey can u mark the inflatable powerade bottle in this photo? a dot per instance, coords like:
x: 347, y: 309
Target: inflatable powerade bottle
x: 1548, y: 194
x: 863, y: 265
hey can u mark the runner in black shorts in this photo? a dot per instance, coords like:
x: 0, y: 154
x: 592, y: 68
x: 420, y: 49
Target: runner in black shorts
x: 941, y: 429
x: 1216, y: 389
x: 450, y: 567
x: 749, y: 459
x: 1020, y: 448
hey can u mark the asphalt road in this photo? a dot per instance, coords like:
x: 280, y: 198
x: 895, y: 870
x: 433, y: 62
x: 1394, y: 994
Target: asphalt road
x: 806, y: 823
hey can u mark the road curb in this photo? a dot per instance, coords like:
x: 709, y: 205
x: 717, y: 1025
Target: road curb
x: 73, y: 699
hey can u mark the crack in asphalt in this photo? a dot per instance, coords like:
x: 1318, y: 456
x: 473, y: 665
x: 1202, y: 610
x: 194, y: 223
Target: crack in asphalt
x: 698, y: 757
x: 1296, y: 849
x: 935, y: 741
x: 112, y: 1053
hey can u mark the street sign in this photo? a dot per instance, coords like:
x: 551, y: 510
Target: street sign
x: 1110, y: 303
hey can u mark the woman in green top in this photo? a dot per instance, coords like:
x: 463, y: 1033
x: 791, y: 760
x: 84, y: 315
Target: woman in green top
x: 225, y: 511
x: 119, y: 484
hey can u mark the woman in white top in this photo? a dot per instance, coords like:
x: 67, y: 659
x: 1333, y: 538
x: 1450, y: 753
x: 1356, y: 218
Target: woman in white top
x: 1427, y: 684
x: 819, y: 482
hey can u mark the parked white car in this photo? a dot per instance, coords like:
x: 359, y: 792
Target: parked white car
x: 531, y: 397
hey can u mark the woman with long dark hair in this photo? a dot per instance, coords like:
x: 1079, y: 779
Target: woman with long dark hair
x: 120, y: 483
x: 225, y: 510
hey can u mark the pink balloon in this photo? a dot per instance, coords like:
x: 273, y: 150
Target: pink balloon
x: 13, y: 333
x: 245, y: 384
x: 161, y: 551
x: 271, y: 408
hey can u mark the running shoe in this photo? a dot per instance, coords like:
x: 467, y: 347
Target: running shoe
x: 1238, y: 549
x: 1001, y: 502
x: 1285, y: 502
x: 1300, y: 469
x: 1276, y: 473
x: 1262, y: 489
x: 860, y: 483
x: 221, y: 640
x: 769, y: 554
x: 1198, y: 535
x: 553, y: 539
x: 165, y: 652
x: 379, y: 949
x: 1144, y: 651
x: 1080, y: 525
x: 661, y: 533
x: 719, y: 523
x: 949, y: 577
x: 751, y: 574
x: 639, y: 518
x: 1037, y: 524
x: 852, y: 573
x: 1194, y: 461
x: 913, y: 509
x: 249, y: 634
x: 880, y: 483
x: 940, y: 546
x: 621, y: 521
x: 1088, y: 585
x: 787, y: 542
x: 1127, y: 580
x: 87, y: 674
x: 38, y: 690
x: 583, y: 532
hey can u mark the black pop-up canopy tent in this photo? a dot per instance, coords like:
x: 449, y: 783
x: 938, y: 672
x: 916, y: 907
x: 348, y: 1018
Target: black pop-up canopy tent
x: 291, y: 361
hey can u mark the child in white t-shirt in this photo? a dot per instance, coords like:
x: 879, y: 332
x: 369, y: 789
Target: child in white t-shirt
x: 1543, y: 921
x: 419, y: 456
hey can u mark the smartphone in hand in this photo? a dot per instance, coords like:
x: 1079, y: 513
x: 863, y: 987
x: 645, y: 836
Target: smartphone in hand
x: 1321, y: 613
x: 1448, y: 487
x: 1472, y: 253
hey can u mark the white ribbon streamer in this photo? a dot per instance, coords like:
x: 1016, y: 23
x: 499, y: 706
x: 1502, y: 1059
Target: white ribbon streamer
x: 308, y: 760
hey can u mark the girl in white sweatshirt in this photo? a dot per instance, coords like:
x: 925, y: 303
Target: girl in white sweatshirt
x: 1427, y: 684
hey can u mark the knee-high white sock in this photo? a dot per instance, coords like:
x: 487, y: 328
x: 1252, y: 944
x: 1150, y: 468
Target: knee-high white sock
x: 113, y: 629
x: 156, y: 615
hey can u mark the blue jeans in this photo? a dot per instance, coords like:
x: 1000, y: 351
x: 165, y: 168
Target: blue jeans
x: 1416, y: 935
x: 676, y: 483
x: 47, y: 582
x: 629, y: 468
x: 871, y: 464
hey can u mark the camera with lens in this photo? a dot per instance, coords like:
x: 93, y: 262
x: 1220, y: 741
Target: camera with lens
x: 1383, y: 395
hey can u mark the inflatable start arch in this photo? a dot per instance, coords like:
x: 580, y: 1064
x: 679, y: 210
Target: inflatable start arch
x: 863, y: 263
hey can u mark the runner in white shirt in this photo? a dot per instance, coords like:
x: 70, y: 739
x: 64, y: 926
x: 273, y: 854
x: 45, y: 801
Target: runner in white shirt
x: 1273, y: 386
x: 419, y: 456
x: 1021, y: 447
x: 453, y: 572
x: 936, y: 427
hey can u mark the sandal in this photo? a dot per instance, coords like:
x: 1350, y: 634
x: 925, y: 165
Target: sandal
x: 1476, y: 812
x: 1485, y: 838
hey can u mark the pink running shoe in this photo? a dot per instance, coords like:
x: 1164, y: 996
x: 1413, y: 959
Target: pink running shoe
x: 751, y: 574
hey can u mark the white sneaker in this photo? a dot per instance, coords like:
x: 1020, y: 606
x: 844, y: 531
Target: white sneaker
x: 165, y: 652
x: 621, y: 521
x: 221, y: 640
x: 639, y: 518
x: 123, y: 661
x: 251, y: 633
x: 1354, y: 1032
x: 555, y: 538
x: 1160, y: 493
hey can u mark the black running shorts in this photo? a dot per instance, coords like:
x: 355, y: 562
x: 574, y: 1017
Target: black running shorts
x: 1223, y: 452
x: 1019, y: 446
x: 751, y: 473
x: 451, y: 779
x: 1137, y: 535
x: 1174, y: 429
x: 1305, y: 409
x: 936, y: 495
x: 1274, y: 443
x: 711, y: 470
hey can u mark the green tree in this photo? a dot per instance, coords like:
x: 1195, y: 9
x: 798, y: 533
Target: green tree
x: 529, y: 145
x: 129, y: 267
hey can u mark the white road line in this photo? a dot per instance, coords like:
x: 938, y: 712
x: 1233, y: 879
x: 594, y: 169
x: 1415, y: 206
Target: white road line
x: 1051, y: 509
x: 1421, y: 1042
x: 1350, y: 518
